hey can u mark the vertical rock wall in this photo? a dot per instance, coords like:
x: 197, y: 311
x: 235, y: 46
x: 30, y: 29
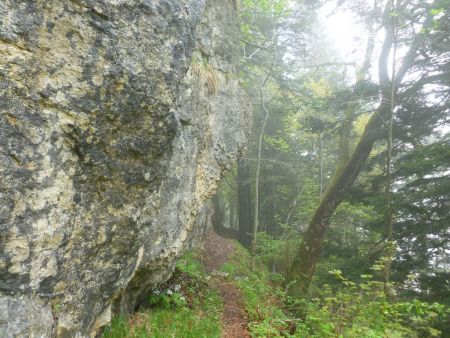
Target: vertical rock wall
x: 117, y: 119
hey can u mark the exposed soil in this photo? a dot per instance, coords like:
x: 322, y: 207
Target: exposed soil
x: 216, y: 251
x: 234, y: 318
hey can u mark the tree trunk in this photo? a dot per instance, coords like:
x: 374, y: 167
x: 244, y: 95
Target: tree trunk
x: 293, y: 204
x: 271, y: 206
x: 321, y: 164
x: 388, y: 188
x: 303, y: 265
x: 244, y: 203
x: 345, y: 133
x: 233, y: 214
x: 218, y: 220
x: 258, y: 168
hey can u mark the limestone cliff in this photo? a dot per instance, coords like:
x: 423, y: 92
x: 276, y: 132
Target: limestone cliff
x: 117, y: 119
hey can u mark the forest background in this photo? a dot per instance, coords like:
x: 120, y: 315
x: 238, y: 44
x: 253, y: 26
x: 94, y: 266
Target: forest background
x: 346, y: 176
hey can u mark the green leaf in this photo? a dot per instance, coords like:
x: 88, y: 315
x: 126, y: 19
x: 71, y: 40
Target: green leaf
x: 436, y: 11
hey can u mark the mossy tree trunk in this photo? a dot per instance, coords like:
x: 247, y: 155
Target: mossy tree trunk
x: 308, y: 254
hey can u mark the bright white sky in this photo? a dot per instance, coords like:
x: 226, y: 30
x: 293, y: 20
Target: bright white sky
x: 341, y: 29
x: 346, y: 36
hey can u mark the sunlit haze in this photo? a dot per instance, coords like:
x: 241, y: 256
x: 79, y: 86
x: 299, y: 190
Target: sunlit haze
x: 342, y: 30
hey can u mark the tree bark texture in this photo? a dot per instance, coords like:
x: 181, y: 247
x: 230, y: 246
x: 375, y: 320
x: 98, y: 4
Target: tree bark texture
x: 244, y: 203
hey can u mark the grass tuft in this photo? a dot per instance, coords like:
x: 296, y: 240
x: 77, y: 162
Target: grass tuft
x: 185, y: 306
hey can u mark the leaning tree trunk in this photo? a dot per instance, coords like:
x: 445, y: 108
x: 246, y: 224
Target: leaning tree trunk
x: 304, y: 264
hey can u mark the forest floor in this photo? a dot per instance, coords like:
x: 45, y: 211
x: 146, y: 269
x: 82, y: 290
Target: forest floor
x: 213, y: 292
x: 222, y: 291
x: 216, y: 252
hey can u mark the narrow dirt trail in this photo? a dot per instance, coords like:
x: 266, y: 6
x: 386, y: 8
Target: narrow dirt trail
x: 234, y: 319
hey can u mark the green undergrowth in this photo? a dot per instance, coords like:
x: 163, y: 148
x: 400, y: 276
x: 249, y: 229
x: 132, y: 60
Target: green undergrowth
x: 343, y: 309
x: 260, y: 295
x: 185, y: 306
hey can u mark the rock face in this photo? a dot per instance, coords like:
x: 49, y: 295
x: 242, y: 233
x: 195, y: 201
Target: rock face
x: 117, y: 119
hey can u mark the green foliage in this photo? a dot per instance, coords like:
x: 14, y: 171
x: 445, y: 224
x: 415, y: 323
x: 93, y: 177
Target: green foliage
x: 266, y: 9
x: 118, y: 328
x: 266, y: 317
x: 167, y: 299
x: 342, y: 308
x: 163, y: 323
x: 184, y: 323
x: 361, y: 310
x: 191, y: 265
x: 189, y: 308
x: 277, y: 254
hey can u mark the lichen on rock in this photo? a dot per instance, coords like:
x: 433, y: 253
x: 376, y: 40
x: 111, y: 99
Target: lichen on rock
x: 117, y: 120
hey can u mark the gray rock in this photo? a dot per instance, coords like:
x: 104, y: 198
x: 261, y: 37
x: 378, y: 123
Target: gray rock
x: 117, y: 120
x: 23, y: 316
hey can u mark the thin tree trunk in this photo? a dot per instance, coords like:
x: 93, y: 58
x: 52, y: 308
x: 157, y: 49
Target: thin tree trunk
x: 244, y: 203
x: 258, y: 167
x: 389, y: 216
x: 352, y: 105
x: 269, y: 207
x: 388, y: 188
x: 218, y: 219
x: 260, y: 139
x: 294, y: 202
x: 232, y: 214
x: 321, y: 164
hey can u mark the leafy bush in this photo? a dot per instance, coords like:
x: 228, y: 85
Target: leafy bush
x: 343, y: 308
x: 362, y: 310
